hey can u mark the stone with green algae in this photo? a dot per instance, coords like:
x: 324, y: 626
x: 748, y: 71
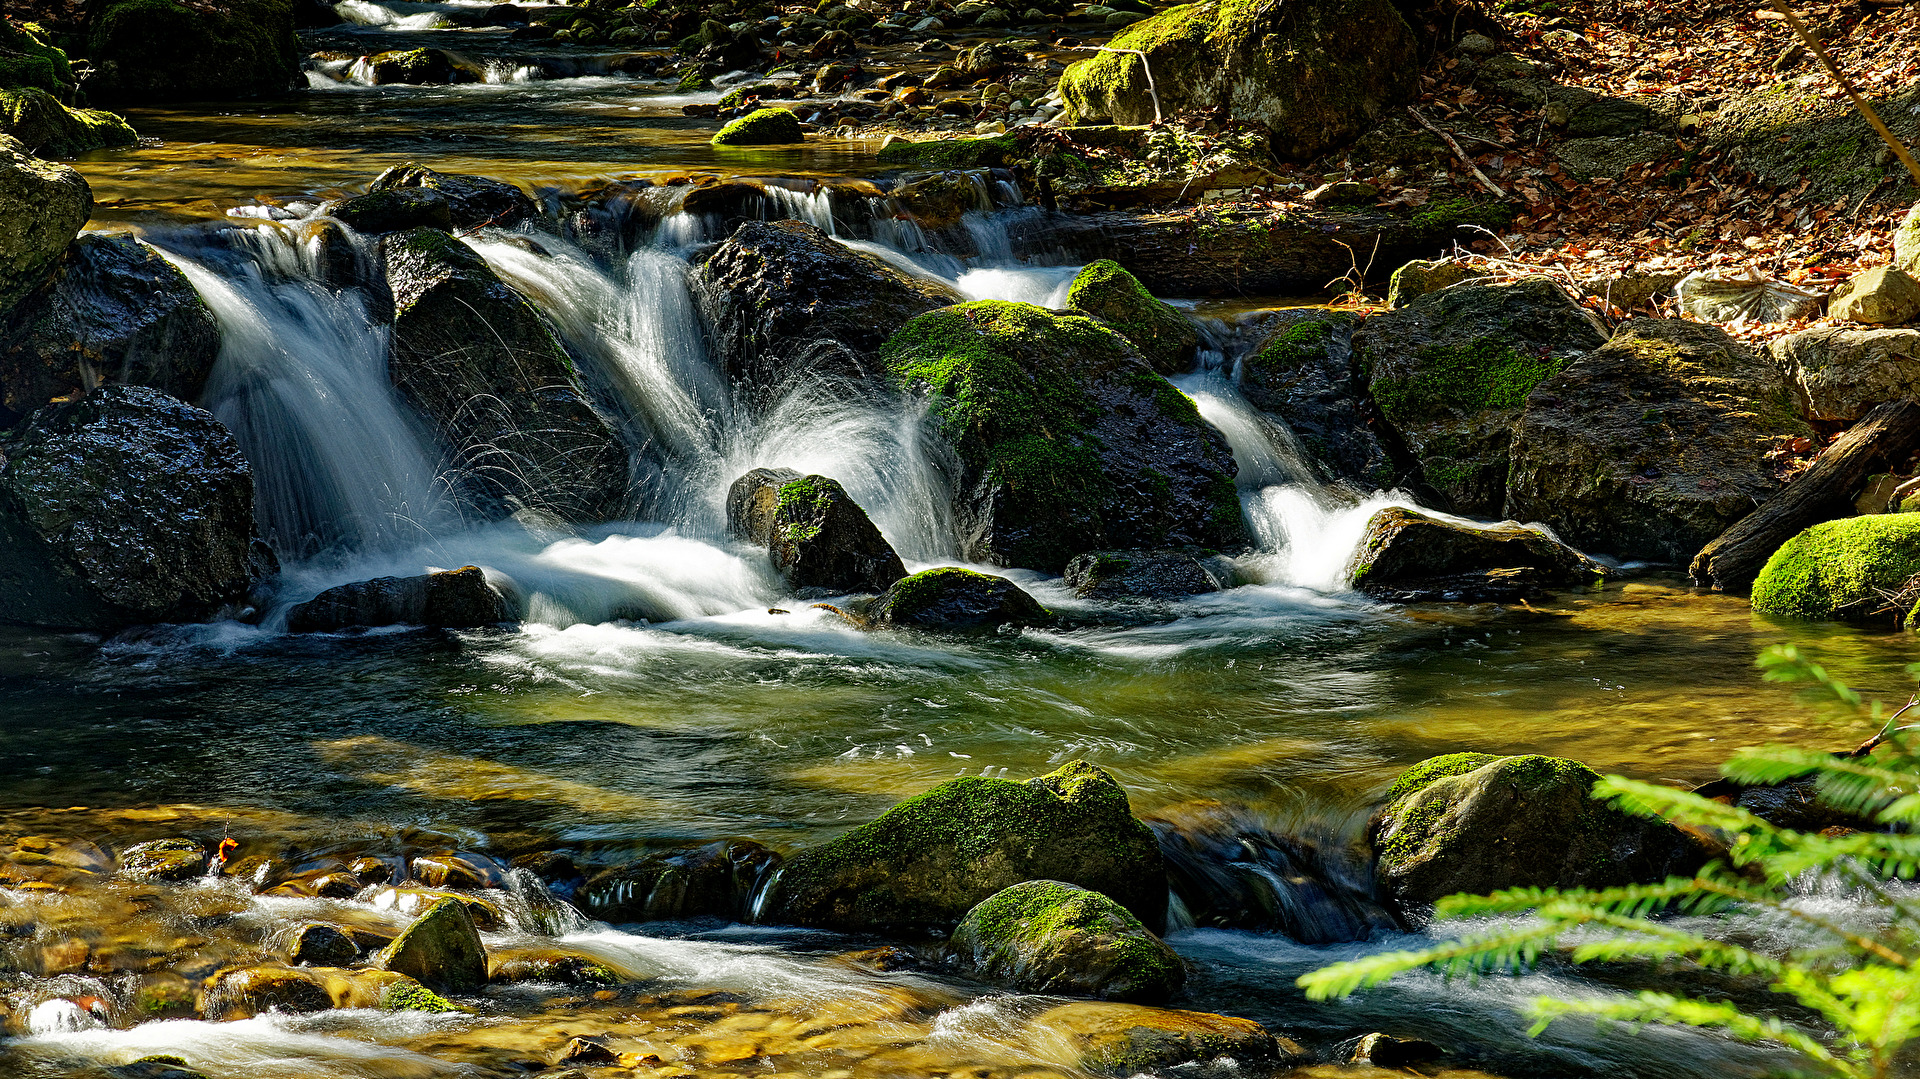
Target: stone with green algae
x: 955, y: 600
x: 1846, y: 569
x: 1104, y: 290
x: 761, y: 127
x: 440, y: 949
x: 1043, y: 936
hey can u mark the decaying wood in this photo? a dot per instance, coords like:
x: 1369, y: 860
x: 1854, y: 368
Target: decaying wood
x: 1885, y: 438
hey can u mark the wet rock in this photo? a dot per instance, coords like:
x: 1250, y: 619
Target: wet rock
x: 1477, y: 823
x: 472, y: 201
x: 46, y: 128
x: 248, y: 991
x: 1883, y: 294
x: 507, y: 401
x: 1452, y: 370
x: 320, y: 945
x: 1304, y: 373
x: 165, y: 859
x: 1851, y: 569
x: 1840, y: 373
x: 955, y: 600
x: 145, y: 51
x: 1042, y: 936
x: 403, y: 994
x: 414, y: 902
x: 714, y: 880
x: 592, y: 1050
x: 1120, y: 1040
x: 1067, y: 441
x: 415, y: 67
x: 124, y: 507
x: 165, y: 995
x: 1409, y: 557
x: 158, y: 1066
x: 926, y: 862
x: 1163, y: 574
x: 395, y: 210
x: 1421, y: 276
x: 761, y: 127
x: 1387, y: 1051
x: 1652, y: 445
x: 550, y: 965
x: 1165, y: 338
x: 817, y: 535
x: 939, y: 201
x: 1316, y: 76
x: 786, y: 303
x: 115, y: 311
x: 451, y: 870
x: 42, y: 208
x: 441, y: 949
x: 965, y: 153
x: 457, y: 599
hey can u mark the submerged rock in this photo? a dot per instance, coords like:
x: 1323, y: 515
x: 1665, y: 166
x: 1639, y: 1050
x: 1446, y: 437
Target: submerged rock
x: 472, y: 201
x: 49, y: 129
x: 955, y: 600
x: 158, y: 50
x: 1067, y: 440
x: 1477, y: 823
x: 761, y: 127
x: 1304, y: 373
x: 441, y: 949
x: 1163, y: 574
x: 817, y: 535
x: 42, y: 208
x: 115, y: 311
x: 551, y: 965
x: 1120, y: 1040
x: 476, y: 358
x: 126, y: 506
x: 785, y: 302
x: 1409, y: 557
x: 923, y: 864
x: 1452, y: 370
x: 1106, y: 292
x: 456, y: 599
x: 1042, y: 936
x: 165, y: 859
x: 1651, y: 445
x: 716, y: 880
x: 1854, y: 569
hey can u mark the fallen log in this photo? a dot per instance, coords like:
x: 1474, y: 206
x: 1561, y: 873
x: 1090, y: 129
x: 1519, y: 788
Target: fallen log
x: 1884, y: 439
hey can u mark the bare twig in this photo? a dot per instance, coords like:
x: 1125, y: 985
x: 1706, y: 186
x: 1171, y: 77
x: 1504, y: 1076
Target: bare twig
x: 1458, y: 152
x: 1820, y: 51
x: 1144, y: 66
x: 1886, y: 731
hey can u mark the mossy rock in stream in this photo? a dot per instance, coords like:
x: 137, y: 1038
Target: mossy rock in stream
x: 1104, y: 290
x: 816, y: 534
x: 1067, y: 441
x: 955, y: 600
x: 1119, y: 1040
x: 29, y: 59
x: 158, y: 50
x: 1477, y: 823
x: 1846, y: 569
x: 761, y: 127
x: 1043, y: 936
x: 440, y: 949
x: 49, y: 129
x: 922, y: 865
x: 949, y: 153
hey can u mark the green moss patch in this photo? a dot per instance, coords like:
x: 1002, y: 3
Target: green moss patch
x: 761, y: 127
x: 1106, y: 291
x: 950, y: 153
x: 1473, y: 377
x: 1841, y: 569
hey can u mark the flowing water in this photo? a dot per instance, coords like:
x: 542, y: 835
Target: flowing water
x: 666, y: 690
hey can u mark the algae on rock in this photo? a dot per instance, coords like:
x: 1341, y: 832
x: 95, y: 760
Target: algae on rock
x: 1848, y: 569
x: 1105, y: 291
x: 1043, y: 936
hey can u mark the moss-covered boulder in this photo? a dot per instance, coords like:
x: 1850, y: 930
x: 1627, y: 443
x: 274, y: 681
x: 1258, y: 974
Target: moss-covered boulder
x: 28, y: 58
x: 507, y: 400
x: 42, y: 208
x: 1409, y: 557
x: 948, y: 153
x: 456, y: 599
x: 1067, y: 441
x: 441, y: 949
x: 1303, y: 372
x: 49, y: 129
x: 472, y: 201
x: 1105, y: 291
x: 922, y: 865
x: 785, y: 303
x: 551, y: 965
x: 761, y: 127
x: 1477, y: 823
x: 1653, y: 444
x: 125, y: 507
x: 1121, y: 1040
x: 816, y: 534
x: 1164, y: 574
x: 955, y: 600
x: 415, y: 67
x: 159, y: 50
x: 1042, y: 936
x: 1846, y: 569
x: 115, y: 312
x: 1452, y: 370
x: 1316, y: 76
x: 165, y: 859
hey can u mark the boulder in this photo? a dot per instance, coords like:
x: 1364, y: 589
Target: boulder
x: 28, y: 59
x: 158, y: 50
x: 126, y: 506
x: 550, y: 965
x: 1042, y: 936
x: 1303, y: 372
x: 441, y: 949
x: 165, y: 859
x: 1906, y: 242
x: 1883, y: 294
x: 394, y: 210
x: 939, y: 201
x: 472, y: 201
x: 1163, y: 574
x: 1120, y: 1040
x: 716, y: 880
x: 1477, y: 823
x: 49, y: 129
x: 1451, y: 370
x: 1652, y: 445
x: 922, y: 865
x: 115, y: 312
x: 817, y: 535
x: 1409, y: 557
x: 1164, y: 337
x: 1316, y: 76
x: 785, y: 303
x: 320, y: 945
x: 1839, y: 373
x: 42, y: 208
x: 761, y: 127
x: 1853, y: 569
x: 955, y: 600
x: 456, y: 599
x: 481, y: 364
x: 1066, y: 440
x: 240, y: 992
x: 415, y: 67
x: 948, y: 153
x: 1421, y: 276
